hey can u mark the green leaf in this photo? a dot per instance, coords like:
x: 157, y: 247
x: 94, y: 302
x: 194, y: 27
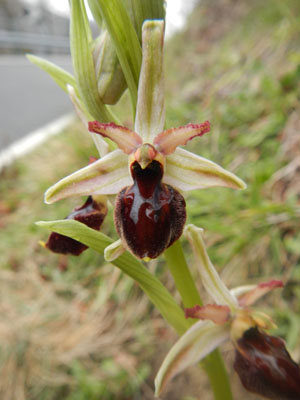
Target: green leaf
x: 60, y: 76
x: 83, y: 64
x: 154, y: 289
x: 125, y: 39
x: 95, y: 10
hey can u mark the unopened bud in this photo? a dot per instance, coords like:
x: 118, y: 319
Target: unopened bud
x: 110, y: 78
x: 111, y: 81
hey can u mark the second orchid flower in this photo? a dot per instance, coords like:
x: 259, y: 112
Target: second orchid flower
x: 261, y: 361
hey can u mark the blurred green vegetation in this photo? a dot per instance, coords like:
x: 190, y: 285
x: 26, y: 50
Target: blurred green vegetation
x: 246, y: 81
x: 237, y: 64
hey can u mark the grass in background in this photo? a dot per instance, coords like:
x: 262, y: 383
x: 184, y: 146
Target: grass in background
x: 238, y: 65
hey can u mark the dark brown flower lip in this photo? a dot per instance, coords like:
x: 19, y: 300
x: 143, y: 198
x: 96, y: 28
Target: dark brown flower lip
x: 92, y: 214
x: 265, y: 366
x: 149, y: 215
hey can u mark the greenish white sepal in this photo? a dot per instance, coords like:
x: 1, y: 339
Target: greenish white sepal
x: 209, y: 276
x: 188, y: 171
x: 150, y: 114
x: 105, y: 176
x: 200, y: 340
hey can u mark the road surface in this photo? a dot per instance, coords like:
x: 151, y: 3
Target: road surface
x: 29, y: 98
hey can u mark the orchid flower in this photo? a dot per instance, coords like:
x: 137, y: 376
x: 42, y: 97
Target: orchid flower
x: 149, y: 169
x: 91, y: 214
x: 262, y: 362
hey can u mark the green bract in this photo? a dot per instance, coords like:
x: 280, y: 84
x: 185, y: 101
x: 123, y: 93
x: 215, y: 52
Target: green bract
x: 83, y: 63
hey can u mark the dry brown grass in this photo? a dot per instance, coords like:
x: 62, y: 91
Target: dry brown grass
x: 46, y: 326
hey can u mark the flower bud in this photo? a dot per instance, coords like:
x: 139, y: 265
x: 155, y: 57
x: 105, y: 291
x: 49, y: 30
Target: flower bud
x: 149, y: 215
x: 108, y: 58
x: 265, y: 367
x: 110, y: 78
x: 92, y: 214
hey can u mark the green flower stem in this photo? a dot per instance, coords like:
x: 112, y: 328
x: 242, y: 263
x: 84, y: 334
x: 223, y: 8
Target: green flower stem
x: 182, y: 276
x: 212, y: 364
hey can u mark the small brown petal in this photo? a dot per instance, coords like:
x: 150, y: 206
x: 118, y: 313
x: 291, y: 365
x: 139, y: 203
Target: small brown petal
x: 265, y: 367
x: 92, y: 214
x: 258, y: 291
x: 167, y: 141
x: 219, y: 314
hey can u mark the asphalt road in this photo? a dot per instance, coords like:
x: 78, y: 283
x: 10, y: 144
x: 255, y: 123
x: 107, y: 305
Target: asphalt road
x: 29, y: 98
